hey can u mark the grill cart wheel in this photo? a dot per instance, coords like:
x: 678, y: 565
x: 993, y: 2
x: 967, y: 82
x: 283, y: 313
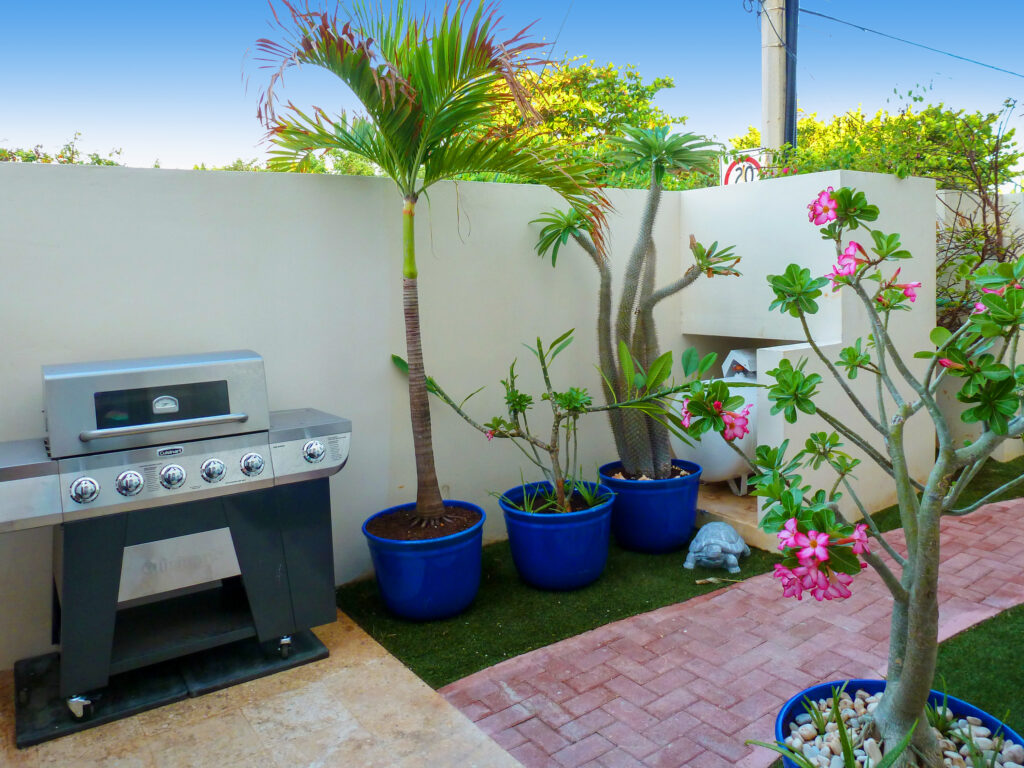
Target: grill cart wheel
x: 81, y: 707
x: 285, y: 647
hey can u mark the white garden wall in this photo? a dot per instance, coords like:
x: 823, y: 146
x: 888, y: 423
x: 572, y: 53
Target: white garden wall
x: 768, y: 224
x: 116, y: 262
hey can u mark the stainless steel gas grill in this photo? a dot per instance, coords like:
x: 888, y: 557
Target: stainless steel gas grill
x: 186, y: 515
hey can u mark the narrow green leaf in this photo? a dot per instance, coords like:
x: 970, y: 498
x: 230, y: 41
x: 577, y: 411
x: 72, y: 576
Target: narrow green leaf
x: 400, y: 364
x: 626, y: 362
x: 689, y: 361
x: 560, y: 339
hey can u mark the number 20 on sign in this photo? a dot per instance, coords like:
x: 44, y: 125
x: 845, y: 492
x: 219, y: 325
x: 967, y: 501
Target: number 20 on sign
x: 742, y: 170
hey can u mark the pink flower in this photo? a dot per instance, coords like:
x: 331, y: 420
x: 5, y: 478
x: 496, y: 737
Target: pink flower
x: 838, y: 587
x: 787, y: 534
x: 849, y: 256
x: 945, y: 362
x: 996, y: 291
x: 979, y: 308
x: 687, y: 416
x: 489, y: 434
x: 792, y: 586
x: 848, y: 262
x: 908, y: 290
x: 813, y: 547
x: 717, y: 405
x: 859, y: 539
x: 822, y: 209
x: 736, y: 424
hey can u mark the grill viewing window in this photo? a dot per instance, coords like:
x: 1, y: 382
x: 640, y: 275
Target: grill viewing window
x: 152, y: 405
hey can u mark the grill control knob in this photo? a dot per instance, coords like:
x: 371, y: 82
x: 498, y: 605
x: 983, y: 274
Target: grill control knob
x: 129, y: 483
x: 252, y: 464
x: 212, y: 470
x: 172, y: 476
x: 84, y: 490
x: 314, y: 451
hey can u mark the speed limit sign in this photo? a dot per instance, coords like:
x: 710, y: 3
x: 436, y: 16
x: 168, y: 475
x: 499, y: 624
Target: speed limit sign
x: 742, y: 170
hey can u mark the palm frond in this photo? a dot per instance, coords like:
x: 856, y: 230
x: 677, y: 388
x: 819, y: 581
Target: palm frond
x: 657, y: 149
x: 557, y: 227
x: 430, y: 89
x: 524, y: 161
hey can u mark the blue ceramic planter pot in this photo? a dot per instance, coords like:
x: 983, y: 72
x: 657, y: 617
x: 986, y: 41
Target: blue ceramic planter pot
x: 653, y: 515
x: 428, y: 579
x: 558, y: 551
x: 959, y: 708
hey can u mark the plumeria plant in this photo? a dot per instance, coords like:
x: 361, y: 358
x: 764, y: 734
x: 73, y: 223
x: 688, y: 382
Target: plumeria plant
x: 822, y: 551
x: 649, y: 392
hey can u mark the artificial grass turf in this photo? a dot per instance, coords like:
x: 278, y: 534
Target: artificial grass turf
x: 982, y: 666
x: 992, y: 476
x: 509, y: 618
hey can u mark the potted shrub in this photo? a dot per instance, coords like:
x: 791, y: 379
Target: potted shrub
x: 430, y: 89
x: 822, y: 551
x: 558, y: 528
x: 656, y: 496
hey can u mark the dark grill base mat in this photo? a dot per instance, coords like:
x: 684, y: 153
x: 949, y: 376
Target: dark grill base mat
x: 40, y: 714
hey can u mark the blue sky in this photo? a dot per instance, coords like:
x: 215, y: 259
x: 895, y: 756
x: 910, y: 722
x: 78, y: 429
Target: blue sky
x: 166, y: 81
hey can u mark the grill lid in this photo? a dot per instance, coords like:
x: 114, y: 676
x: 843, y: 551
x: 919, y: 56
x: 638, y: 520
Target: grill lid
x: 122, y: 404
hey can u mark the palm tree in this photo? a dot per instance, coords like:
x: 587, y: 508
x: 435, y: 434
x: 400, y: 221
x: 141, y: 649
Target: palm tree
x: 430, y: 91
x: 641, y: 441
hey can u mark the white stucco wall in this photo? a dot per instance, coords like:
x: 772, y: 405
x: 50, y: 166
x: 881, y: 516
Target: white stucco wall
x: 117, y: 262
x: 767, y: 222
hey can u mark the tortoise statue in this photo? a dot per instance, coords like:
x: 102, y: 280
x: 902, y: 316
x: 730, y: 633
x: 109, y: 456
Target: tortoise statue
x: 717, y: 545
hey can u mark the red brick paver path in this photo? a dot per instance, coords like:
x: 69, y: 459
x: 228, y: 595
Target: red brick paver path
x: 687, y: 684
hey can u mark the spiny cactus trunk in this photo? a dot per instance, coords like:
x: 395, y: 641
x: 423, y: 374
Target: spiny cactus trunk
x: 635, y: 440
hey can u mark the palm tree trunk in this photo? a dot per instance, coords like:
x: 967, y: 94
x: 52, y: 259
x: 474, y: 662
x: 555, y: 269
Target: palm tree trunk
x: 429, y: 505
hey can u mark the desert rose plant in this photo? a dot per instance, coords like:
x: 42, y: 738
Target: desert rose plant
x: 629, y: 340
x: 430, y: 90
x: 823, y: 552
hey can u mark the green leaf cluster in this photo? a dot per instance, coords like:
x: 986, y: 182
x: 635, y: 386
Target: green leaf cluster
x: 796, y: 291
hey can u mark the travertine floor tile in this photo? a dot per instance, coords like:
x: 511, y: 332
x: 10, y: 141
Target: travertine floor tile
x: 359, y: 708
x: 227, y: 741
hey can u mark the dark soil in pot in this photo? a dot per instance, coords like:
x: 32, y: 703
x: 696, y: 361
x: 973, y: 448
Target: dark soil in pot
x: 405, y: 526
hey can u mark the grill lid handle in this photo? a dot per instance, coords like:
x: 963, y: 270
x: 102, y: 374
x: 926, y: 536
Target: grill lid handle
x: 141, y: 429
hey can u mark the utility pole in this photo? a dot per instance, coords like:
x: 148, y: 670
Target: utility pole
x: 778, y: 72
x: 773, y: 73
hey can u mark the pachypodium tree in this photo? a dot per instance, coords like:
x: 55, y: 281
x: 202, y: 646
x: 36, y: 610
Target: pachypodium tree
x: 431, y: 90
x: 823, y: 551
x: 628, y: 343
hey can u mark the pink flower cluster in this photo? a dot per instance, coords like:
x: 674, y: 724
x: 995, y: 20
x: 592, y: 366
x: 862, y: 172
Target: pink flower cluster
x: 812, y: 573
x: 823, y: 208
x: 848, y: 262
x: 736, y: 424
x: 909, y: 290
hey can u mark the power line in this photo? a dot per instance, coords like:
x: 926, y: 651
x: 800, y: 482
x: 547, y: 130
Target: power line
x: 911, y: 42
x: 761, y: 9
